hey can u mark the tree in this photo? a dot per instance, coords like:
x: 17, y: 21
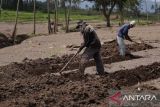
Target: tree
x: 12, y: 4
x: 67, y: 6
x: 106, y: 6
x: 134, y: 7
x: 49, y: 19
x: 27, y: 2
x: 76, y: 4
x: 56, y: 17
x: 16, y: 20
x: 146, y: 10
x: 21, y: 5
x: 155, y: 6
x: 121, y: 5
x: 152, y: 7
x: 34, y: 17
x: 1, y: 9
x: 67, y: 15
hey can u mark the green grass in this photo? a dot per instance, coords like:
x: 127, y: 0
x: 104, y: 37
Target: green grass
x: 9, y: 16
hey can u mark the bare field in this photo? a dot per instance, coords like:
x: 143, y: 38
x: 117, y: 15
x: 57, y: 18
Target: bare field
x: 46, y: 46
x: 31, y: 82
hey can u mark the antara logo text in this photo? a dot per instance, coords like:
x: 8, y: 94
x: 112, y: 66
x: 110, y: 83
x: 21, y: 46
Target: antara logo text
x: 118, y: 98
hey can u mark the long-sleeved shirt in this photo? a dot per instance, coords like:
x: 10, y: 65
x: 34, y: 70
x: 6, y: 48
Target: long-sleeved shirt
x: 90, y: 38
x: 123, y: 31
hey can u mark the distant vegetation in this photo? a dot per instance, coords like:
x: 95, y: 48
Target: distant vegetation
x: 55, y: 12
x: 9, y: 16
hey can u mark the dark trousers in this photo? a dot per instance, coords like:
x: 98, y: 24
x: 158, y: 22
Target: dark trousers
x: 88, y: 54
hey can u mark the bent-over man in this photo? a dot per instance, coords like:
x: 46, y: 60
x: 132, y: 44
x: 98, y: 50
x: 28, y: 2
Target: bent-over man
x: 123, y: 34
x: 93, y: 46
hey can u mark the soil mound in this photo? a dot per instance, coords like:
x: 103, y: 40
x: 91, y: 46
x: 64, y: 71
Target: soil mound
x: 5, y: 41
x: 66, y: 91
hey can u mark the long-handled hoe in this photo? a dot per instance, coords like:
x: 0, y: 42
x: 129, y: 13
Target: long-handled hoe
x: 60, y: 72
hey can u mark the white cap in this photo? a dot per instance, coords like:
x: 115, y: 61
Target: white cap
x: 133, y: 22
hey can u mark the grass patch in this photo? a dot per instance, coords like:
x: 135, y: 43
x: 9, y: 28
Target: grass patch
x: 9, y: 16
x: 87, y: 15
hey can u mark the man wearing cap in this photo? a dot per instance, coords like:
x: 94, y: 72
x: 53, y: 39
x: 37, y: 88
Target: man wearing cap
x: 93, y: 46
x: 123, y: 34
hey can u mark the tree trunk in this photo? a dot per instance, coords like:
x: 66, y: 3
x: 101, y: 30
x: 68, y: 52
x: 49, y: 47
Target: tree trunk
x: 128, y: 14
x: 49, y: 20
x: 121, y: 8
x: 156, y: 10
x: 146, y: 10
x: 108, y: 14
x: 21, y: 5
x: 15, y: 26
x: 121, y: 17
x: 1, y: 9
x: 34, y: 17
x: 138, y: 17
x: 65, y: 10
x: 158, y: 14
x: 155, y: 6
x: 27, y: 3
x: 68, y: 16
x: 55, y: 17
x: 108, y: 21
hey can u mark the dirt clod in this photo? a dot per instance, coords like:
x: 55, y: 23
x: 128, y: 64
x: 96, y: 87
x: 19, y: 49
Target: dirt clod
x: 31, y: 84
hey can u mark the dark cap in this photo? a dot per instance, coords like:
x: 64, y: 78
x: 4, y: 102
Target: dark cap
x: 80, y: 23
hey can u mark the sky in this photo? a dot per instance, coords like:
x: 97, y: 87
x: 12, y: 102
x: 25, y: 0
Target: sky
x: 147, y: 0
x: 149, y: 4
x: 82, y: 5
x: 156, y: 0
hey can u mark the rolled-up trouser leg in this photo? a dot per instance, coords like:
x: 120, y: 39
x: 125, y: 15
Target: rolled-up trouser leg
x: 122, y: 47
x: 99, y: 63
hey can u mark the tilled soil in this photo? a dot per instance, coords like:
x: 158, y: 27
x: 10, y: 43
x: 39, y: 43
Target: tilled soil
x: 6, y: 41
x: 30, y: 84
x: 19, y: 88
x: 54, y: 64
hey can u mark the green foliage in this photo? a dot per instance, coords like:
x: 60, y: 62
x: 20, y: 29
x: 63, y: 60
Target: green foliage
x: 41, y: 16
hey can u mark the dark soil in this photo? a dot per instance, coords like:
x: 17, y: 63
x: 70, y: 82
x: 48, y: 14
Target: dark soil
x: 5, y: 41
x: 55, y: 64
x: 30, y: 84
x: 19, y: 88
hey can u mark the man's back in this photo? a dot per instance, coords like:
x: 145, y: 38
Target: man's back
x: 123, y: 31
x: 90, y: 38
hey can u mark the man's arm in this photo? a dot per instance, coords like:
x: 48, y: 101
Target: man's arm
x: 81, y: 47
x: 125, y: 32
x: 128, y: 38
x: 85, y: 43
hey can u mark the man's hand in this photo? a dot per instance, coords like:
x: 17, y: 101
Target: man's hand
x: 79, y: 50
x: 128, y: 38
x: 81, y: 47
